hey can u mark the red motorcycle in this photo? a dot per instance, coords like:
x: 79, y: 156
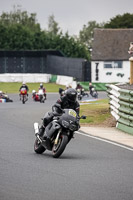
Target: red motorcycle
x: 23, y: 95
x: 39, y: 96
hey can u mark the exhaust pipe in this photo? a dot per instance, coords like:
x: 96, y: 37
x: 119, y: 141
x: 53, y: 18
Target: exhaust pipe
x: 36, y: 128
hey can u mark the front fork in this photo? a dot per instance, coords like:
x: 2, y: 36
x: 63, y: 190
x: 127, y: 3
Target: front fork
x: 57, y: 137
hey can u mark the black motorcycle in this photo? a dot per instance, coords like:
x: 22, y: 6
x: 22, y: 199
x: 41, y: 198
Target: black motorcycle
x: 58, y: 133
x: 6, y: 98
x: 81, y: 93
x: 93, y: 92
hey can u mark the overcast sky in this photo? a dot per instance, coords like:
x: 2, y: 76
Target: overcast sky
x: 71, y: 15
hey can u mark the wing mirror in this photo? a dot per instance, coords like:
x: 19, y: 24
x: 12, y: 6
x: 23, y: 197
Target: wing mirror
x: 83, y: 117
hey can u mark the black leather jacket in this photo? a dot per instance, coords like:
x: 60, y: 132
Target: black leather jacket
x: 65, y: 103
x: 24, y: 86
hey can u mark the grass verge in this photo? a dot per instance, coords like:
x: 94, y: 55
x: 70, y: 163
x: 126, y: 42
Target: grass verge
x: 14, y: 87
x: 97, y: 113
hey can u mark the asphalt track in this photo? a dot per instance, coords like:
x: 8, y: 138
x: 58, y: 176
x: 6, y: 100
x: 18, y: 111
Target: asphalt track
x: 89, y: 169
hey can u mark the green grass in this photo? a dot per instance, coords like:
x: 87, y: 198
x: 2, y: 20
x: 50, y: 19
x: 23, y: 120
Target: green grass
x: 14, y: 87
x: 96, y: 112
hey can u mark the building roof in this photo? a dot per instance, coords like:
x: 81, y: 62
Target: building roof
x: 111, y: 44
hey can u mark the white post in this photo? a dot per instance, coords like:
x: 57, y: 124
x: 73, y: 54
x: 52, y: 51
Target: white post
x: 131, y: 70
x: 131, y: 62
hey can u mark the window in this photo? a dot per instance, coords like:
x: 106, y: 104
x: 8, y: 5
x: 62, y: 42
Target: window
x: 118, y: 64
x: 113, y: 64
x: 107, y: 65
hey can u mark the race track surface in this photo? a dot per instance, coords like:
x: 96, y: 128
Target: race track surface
x: 87, y: 170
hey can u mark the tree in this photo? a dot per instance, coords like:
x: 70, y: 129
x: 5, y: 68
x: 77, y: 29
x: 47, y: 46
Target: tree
x: 86, y: 34
x: 73, y: 48
x: 18, y: 38
x: 3, y: 37
x: 20, y: 17
x: 20, y: 31
x: 53, y: 26
x: 120, y: 21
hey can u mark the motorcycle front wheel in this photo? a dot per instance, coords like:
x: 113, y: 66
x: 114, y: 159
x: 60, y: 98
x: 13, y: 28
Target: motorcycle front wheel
x: 23, y: 99
x: 38, y: 148
x: 96, y: 95
x: 60, y: 146
x: 42, y: 100
x: 79, y: 98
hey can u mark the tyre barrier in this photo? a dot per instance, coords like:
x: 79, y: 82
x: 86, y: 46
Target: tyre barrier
x: 121, y: 107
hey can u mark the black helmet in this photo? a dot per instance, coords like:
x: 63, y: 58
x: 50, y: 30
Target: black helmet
x: 71, y: 94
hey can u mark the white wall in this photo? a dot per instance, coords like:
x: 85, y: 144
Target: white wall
x: 66, y: 80
x: 104, y: 78
x: 30, y: 78
x: 37, y: 78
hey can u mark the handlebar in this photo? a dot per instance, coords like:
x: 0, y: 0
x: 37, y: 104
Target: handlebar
x: 82, y: 117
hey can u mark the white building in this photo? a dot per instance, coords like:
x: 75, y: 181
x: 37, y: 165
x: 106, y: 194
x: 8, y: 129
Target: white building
x: 110, y: 58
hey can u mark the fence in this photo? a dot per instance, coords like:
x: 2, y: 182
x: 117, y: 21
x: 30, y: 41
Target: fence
x: 44, y: 62
x: 121, y: 107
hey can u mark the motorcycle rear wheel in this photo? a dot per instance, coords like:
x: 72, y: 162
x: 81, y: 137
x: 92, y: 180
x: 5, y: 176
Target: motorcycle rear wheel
x: 60, y: 146
x: 38, y: 148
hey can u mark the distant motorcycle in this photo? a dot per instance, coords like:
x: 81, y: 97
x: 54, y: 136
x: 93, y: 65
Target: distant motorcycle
x: 93, y: 92
x: 23, y: 95
x: 59, y: 132
x: 81, y: 93
x: 35, y: 96
x: 6, y: 97
x: 39, y: 96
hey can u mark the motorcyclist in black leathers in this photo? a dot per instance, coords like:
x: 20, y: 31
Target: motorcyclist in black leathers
x: 91, y: 88
x: 66, y: 101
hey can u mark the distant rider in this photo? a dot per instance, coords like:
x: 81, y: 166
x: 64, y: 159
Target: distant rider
x: 2, y: 95
x: 44, y: 90
x: 23, y: 86
x: 68, y: 101
x: 79, y: 87
x: 91, y: 87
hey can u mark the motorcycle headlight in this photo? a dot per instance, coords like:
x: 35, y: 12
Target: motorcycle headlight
x: 65, y: 124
